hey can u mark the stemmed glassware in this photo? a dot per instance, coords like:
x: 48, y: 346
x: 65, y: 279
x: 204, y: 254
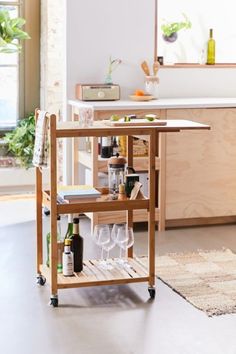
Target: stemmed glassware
x: 129, y: 237
x: 102, y: 237
x: 107, y: 236
x: 124, y: 238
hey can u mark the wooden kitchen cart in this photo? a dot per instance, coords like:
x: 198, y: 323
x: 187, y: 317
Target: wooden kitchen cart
x: 91, y: 274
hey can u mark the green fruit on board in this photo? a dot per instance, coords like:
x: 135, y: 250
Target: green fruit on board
x: 150, y: 117
x: 115, y: 117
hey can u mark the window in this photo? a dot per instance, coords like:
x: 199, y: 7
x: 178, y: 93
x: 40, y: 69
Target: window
x: 19, y: 73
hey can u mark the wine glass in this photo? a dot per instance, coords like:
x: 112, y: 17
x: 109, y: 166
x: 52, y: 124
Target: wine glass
x: 101, y: 236
x: 127, y: 244
x: 121, y: 240
x: 107, y: 247
x: 114, y: 231
x: 103, y: 239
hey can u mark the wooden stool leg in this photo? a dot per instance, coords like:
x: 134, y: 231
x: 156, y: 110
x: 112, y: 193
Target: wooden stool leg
x: 95, y: 180
x: 53, y: 207
x: 151, y: 213
x: 39, y: 219
x: 129, y: 213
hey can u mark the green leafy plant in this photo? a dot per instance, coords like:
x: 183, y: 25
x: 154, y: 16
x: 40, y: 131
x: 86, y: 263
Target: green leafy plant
x: 169, y: 28
x: 11, y: 32
x: 20, y: 142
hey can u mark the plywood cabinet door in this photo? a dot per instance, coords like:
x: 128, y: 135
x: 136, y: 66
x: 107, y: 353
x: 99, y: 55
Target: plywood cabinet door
x: 201, y: 166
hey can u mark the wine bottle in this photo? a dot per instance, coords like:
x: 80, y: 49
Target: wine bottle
x: 59, y: 246
x: 211, y: 49
x: 115, y: 147
x: 69, y: 231
x: 106, y: 147
x: 68, y: 259
x: 77, y: 246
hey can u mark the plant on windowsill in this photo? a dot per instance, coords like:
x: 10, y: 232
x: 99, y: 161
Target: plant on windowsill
x: 170, y: 29
x: 20, y: 142
x: 11, y: 32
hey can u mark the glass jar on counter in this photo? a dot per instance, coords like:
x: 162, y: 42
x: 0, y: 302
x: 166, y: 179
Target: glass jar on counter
x: 152, y: 86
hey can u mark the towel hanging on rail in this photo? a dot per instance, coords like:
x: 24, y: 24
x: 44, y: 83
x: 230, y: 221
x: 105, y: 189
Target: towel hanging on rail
x: 41, y: 146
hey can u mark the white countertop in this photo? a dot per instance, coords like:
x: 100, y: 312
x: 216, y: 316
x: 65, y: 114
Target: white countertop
x: 163, y: 103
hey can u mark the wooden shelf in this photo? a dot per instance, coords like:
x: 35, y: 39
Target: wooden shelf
x: 198, y: 66
x: 140, y: 163
x: 93, y: 275
x: 97, y: 205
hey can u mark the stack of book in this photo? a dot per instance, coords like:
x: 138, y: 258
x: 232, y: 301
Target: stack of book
x: 77, y: 194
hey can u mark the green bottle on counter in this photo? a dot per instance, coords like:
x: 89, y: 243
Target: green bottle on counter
x: 211, y: 49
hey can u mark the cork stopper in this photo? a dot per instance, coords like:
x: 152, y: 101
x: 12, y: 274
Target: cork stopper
x: 117, y: 160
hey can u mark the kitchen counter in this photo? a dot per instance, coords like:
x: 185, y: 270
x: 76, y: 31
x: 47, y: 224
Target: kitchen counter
x: 163, y: 103
x: 197, y: 173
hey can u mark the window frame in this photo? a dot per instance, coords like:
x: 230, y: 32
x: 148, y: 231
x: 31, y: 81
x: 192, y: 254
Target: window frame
x: 29, y: 59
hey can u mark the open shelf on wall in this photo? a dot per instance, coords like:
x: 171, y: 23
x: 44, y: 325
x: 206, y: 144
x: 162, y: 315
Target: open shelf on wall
x: 198, y: 66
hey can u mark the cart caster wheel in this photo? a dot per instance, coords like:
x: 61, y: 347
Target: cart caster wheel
x: 46, y: 211
x: 41, y: 280
x: 54, y: 301
x: 152, y: 292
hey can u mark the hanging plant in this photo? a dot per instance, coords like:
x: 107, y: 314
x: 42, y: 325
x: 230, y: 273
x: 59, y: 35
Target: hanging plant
x: 11, y: 32
x: 170, y: 29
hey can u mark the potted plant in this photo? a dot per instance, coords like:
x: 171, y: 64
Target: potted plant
x: 20, y: 142
x: 170, y: 29
x: 11, y: 32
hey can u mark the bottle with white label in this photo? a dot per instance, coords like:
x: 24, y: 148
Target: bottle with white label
x: 106, y: 146
x: 68, y: 259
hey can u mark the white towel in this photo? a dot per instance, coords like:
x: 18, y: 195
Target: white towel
x: 41, y: 145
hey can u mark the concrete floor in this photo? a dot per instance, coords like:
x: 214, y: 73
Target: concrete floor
x: 106, y: 320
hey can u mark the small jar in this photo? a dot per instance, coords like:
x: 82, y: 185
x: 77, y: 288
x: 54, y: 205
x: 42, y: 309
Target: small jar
x: 152, y: 86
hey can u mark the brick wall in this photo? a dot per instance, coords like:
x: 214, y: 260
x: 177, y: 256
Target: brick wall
x: 52, y: 61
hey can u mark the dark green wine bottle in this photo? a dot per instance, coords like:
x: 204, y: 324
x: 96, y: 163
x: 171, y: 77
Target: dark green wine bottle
x: 211, y: 49
x: 77, y: 246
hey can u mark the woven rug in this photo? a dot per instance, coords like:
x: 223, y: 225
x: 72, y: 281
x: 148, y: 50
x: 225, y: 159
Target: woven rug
x: 206, y: 279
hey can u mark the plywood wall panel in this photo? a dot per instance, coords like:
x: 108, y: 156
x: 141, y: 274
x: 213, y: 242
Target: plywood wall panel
x: 201, y: 166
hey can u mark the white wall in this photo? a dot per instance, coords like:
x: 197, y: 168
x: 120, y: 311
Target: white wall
x: 124, y: 29
x: 98, y: 29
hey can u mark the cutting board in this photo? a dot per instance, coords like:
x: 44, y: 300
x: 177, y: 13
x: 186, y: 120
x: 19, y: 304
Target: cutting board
x: 136, y: 122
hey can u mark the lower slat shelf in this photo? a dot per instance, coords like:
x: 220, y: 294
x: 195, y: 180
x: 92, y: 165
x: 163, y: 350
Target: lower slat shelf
x: 93, y: 275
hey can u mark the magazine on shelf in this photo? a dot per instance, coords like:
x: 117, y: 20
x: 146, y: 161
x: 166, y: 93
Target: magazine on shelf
x: 80, y: 192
